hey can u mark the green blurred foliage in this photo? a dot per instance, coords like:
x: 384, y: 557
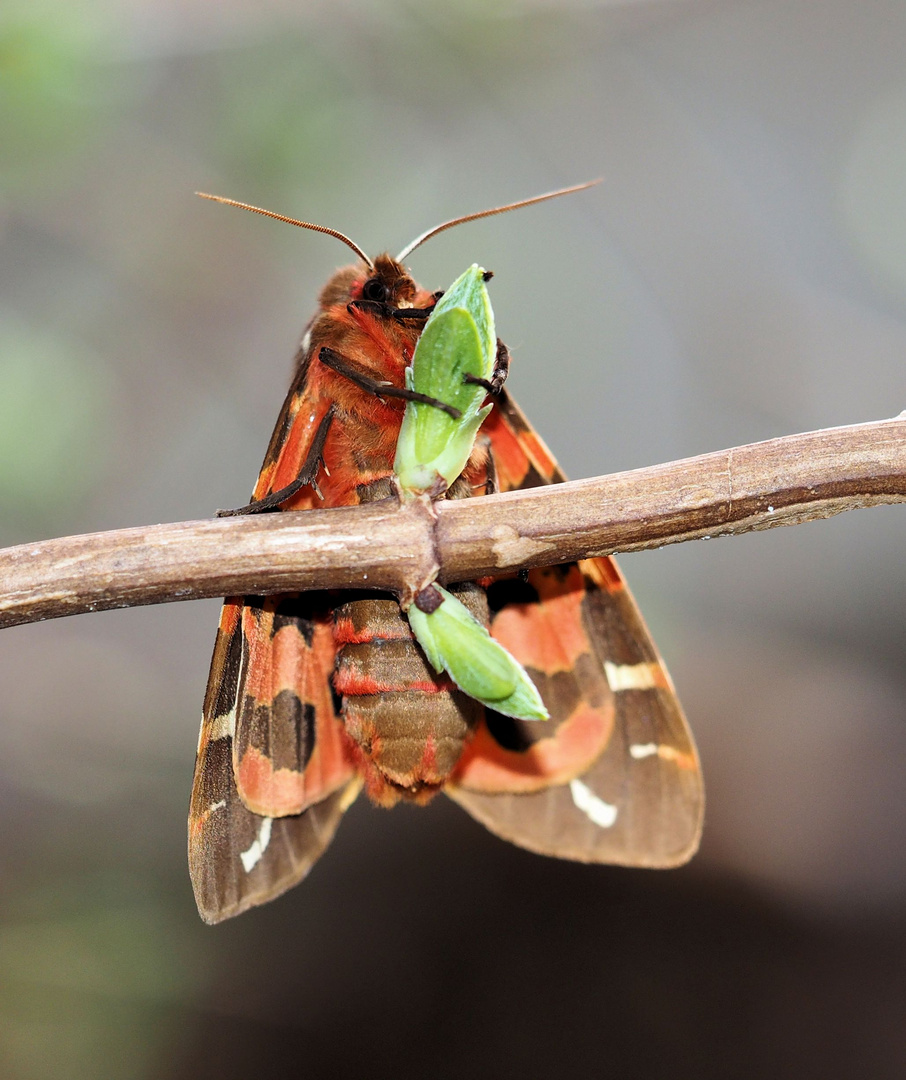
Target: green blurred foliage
x: 58, y: 91
x: 54, y: 408
x: 277, y: 108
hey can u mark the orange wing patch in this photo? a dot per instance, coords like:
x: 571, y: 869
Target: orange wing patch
x: 289, y: 749
x: 547, y: 636
x: 570, y: 751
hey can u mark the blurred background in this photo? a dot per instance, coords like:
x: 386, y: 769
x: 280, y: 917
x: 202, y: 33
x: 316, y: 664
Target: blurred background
x: 739, y: 275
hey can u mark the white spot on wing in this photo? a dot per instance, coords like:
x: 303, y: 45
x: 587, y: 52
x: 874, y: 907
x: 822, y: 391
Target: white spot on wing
x: 223, y: 726
x: 252, y: 857
x: 631, y: 676
x: 643, y: 750
x: 215, y: 806
x: 595, y: 809
x: 681, y: 758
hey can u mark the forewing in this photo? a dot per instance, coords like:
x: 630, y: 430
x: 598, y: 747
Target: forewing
x: 614, y: 776
x: 238, y: 859
x: 295, y: 431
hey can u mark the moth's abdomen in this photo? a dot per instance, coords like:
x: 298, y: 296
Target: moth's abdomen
x: 408, y: 725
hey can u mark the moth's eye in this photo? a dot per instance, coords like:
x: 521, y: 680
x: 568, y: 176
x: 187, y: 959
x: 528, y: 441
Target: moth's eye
x: 375, y: 289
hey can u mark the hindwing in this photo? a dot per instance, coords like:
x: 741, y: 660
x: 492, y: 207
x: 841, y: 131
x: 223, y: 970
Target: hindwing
x: 617, y: 779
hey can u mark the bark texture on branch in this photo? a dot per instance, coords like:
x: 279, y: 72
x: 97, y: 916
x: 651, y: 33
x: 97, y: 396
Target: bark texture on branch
x: 783, y: 481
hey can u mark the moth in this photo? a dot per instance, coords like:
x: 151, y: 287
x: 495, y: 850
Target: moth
x: 313, y: 696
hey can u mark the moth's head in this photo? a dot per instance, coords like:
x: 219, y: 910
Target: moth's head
x: 385, y: 281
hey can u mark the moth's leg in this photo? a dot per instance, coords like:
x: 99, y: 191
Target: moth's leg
x: 378, y: 387
x: 307, y: 475
x: 490, y: 485
x: 501, y: 367
x: 498, y: 376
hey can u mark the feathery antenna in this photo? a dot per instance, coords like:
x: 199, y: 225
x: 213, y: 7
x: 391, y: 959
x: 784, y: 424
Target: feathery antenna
x: 292, y: 221
x: 407, y: 251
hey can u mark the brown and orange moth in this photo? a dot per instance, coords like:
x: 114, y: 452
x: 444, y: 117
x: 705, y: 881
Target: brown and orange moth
x: 312, y: 696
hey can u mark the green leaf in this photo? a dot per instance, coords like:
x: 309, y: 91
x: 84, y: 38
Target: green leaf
x: 454, y: 641
x: 458, y: 340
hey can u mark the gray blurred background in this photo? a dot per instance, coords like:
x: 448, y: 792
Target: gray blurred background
x: 740, y: 274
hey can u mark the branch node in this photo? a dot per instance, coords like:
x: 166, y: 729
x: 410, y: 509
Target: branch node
x: 423, y: 571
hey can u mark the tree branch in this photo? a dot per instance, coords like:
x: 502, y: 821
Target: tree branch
x: 386, y: 546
